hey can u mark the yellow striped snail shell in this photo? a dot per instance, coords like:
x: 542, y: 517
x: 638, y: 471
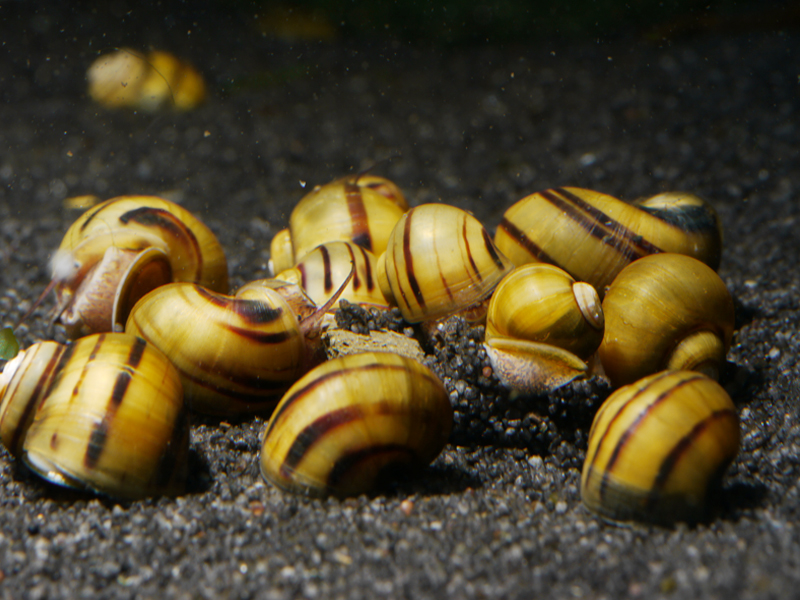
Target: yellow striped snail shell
x: 658, y: 449
x: 119, y: 250
x: 234, y: 355
x: 352, y: 421
x: 126, y: 78
x: 593, y: 236
x: 665, y: 311
x: 321, y: 273
x: 439, y: 260
x: 103, y: 413
x: 361, y: 209
x: 541, y: 327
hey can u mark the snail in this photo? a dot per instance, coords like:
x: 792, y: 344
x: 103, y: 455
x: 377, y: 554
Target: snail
x: 439, y: 260
x: 361, y: 209
x: 321, y: 273
x: 103, y: 413
x: 119, y: 250
x: 665, y: 311
x: 658, y: 449
x: 145, y: 82
x: 593, y: 236
x: 352, y: 421
x: 236, y: 354
x: 541, y: 327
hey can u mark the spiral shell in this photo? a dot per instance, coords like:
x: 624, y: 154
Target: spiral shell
x: 159, y: 79
x: 659, y: 448
x: 361, y: 209
x: 119, y: 250
x: 666, y: 311
x: 104, y: 413
x: 593, y: 236
x: 234, y: 355
x: 322, y: 271
x: 353, y: 420
x: 542, y: 303
x: 439, y: 260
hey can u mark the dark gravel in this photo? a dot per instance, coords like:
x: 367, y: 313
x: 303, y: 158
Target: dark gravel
x: 498, y: 514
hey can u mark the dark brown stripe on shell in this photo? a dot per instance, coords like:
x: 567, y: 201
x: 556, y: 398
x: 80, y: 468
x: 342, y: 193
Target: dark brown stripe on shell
x: 158, y: 218
x: 370, y: 280
x: 409, y: 260
x: 327, y: 276
x: 298, y: 394
x: 358, y: 215
x: 465, y: 237
x: 303, y: 282
x: 261, y: 337
x: 253, y: 312
x: 678, y: 451
x: 318, y: 429
x: 491, y: 249
x: 356, y: 281
x: 527, y: 243
x: 628, y: 243
x: 626, y: 435
x: 42, y: 389
x: 93, y: 214
x: 136, y: 353
x: 99, y: 435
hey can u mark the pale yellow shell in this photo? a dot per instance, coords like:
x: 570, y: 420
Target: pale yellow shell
x: 127, y: 78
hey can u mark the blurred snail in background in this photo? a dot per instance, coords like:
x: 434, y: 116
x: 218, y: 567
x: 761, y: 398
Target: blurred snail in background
x: 353, y: 421
x: 541, y: 327
x: 236, y: 354
x: 361, y: 209
x: 658, y: 449
x: 119, y: 250
x: 665, y: 311
x: 321, y: 273
x: 145, y: 82
x: 104, y: 413
x: 439, y: 260
x: 593, y: 236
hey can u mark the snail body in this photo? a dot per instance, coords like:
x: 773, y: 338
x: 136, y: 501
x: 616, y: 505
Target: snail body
x: 439, y: 260
x: 104, y: 413
x: 593, y: 236
x: 235, y: 355
x: 351, y: 421
x: 321, y: 273
x: 361, y: 209
x: 126, y: 78
x: 665, y: 311
x: 119, y: 250
x: 658, y: 449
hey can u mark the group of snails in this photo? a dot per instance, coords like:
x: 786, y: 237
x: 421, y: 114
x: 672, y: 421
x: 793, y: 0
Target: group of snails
x: 574, y: 283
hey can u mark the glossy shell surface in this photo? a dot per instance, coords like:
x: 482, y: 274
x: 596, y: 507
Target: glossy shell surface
x: 666, y: 311
x: 354, y: 420
x: 235, y: 355
x: 658, y: 449
x: 439, y: 260
x: 593, y: 236
x: 104, y: 413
